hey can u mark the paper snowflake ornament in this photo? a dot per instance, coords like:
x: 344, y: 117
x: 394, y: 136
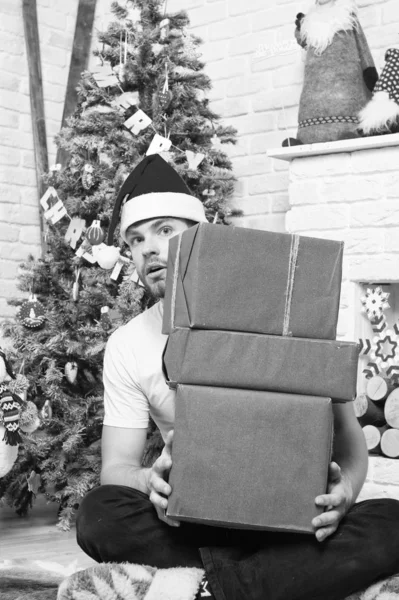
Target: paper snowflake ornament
x: 383, y: 351
x: 374, y: 302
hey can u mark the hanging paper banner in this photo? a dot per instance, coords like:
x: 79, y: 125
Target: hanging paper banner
x: 74, y: 231
x: 126, y: 100
x: 82, y: 252
x: 194, y: 160
x: 104, y: 76
x: 57, y: 211
x: 136, y: 279
x: 164, y: 27
x: 122, y: 260
x: 138, y: 122
x: 158, y: 144
x: 216, y: 141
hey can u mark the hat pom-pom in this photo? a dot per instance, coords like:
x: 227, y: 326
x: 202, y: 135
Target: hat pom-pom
x: 379, y: 115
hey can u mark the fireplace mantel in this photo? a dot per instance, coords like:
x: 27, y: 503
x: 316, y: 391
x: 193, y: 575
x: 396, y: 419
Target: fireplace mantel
x: 353, y: 145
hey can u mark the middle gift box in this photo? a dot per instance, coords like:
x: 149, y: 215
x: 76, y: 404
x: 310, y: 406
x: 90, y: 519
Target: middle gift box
x: 262, y: 362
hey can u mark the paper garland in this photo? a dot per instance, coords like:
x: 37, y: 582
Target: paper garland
x: 158, y: 144
x: 374, y: 302
x: 383, y: 348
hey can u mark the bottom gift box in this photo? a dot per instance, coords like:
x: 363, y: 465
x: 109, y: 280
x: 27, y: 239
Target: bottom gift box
x: 249, y: 459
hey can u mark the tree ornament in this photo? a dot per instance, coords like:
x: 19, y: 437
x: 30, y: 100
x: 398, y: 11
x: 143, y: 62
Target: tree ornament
x: 105, y: 318
x: 104, y: 76
x: 126, y: 100
x: 164, y: 94
x: 34, y: 481
x: 32, y: 313
x: 47, y: 411
x: 194, y: 159
x: 374, y: 302
x: 53, y: 206
x: 106, y: 256
x: 208, y: 192
x: 75, y: 287
x: 95, y: 235
x: 87, y: 176
x: 216, y: 142
x: 190, y: 49
x: 10, y: 406
x: 164, y: 29
x: 158, y: 144
x: 71, y: 371
x: 74, y: 231
x: 137, y: 122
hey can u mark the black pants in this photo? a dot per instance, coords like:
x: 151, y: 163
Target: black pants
x: 118, y: 524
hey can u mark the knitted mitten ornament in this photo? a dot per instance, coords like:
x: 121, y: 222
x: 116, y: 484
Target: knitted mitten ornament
x: 339, y: 72
x: 381, y: 115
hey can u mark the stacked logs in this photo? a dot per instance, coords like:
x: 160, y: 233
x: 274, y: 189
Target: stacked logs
x: 378, y: 413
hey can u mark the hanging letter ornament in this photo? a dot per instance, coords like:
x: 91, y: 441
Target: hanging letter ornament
x: 158, y: 144
x: 95, y: 235
x: 55, y: 212
x: 194, y: 160
x: 126, y: 100
x: 137, y: 122
x: 74, y: 231
x: 32, y: 313
x: 104, y: 76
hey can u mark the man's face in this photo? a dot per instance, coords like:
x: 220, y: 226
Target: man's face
x: 148, y: 241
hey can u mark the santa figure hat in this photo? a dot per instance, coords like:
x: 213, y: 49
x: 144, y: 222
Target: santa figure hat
x: 153, y: 189
x: 381, y: 115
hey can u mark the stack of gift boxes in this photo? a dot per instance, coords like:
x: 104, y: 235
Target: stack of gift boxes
x: 252, y: 353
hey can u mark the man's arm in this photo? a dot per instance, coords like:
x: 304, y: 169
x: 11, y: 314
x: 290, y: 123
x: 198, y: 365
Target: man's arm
x: 347, y: 471
x: 122, y: 452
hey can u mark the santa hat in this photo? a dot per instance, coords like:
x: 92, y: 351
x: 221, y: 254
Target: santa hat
x: 381, y: 115
x: 154, y: 189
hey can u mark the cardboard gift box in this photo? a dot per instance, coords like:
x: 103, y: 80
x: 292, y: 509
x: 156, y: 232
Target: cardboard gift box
x: 249, y: 459
x: 240, y: 279
x: 262, y: 362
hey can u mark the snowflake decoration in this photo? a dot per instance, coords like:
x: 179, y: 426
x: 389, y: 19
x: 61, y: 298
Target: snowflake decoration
x: 375, y: 301
x: 383, y: 351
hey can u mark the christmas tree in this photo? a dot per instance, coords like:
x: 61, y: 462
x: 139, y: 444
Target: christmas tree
x: 146, y: 95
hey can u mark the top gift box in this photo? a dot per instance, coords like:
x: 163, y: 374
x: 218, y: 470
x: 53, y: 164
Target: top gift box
x: 239, y: 279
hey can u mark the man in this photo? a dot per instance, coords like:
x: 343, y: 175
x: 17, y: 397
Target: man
x: 124, y: 519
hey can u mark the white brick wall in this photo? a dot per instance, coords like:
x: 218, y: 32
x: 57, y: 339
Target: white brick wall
x: 19, y: 202
x: 258, y: 97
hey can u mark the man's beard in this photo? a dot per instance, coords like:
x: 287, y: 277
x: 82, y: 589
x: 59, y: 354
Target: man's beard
x: 156, y: 289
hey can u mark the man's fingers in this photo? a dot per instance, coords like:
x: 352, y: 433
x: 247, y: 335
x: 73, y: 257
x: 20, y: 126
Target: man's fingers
x: 328, y: 500
x: 161, y: 512
x: 334, y: 472
x: 322, y: 534
x: 169, y: 441
x: 160, y: 486
x: 162, y: 464
x: 331, y: 517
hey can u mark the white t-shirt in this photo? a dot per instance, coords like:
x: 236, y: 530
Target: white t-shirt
x: 134, y: 385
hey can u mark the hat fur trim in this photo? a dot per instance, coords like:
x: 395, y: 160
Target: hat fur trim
x: 379, y: 114
x: 161, y: 204
x: 323, y: 21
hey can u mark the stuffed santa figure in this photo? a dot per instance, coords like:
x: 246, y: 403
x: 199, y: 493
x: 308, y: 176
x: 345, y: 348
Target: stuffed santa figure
x: 381, y: 115
x: 339, y: 72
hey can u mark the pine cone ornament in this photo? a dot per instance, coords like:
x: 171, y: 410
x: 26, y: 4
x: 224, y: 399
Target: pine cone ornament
x: 87, y: 176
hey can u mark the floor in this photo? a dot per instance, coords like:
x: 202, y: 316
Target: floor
x: 36, y: 537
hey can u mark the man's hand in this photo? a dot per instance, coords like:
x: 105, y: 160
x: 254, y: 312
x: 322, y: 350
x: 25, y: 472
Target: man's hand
x: 158, y: 487
x: 337, y: 501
